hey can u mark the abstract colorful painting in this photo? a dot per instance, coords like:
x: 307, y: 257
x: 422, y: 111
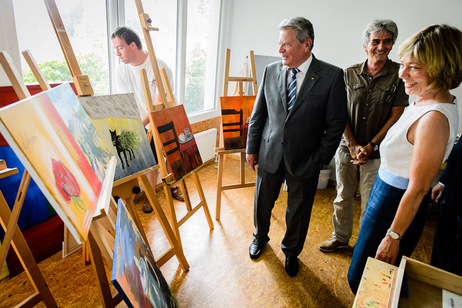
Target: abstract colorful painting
x: 235, y: 115
x: 106, y: 126
x: 177, y: 140
x: 45, y: 146
x: 134, y: 271
x: 81, y: 128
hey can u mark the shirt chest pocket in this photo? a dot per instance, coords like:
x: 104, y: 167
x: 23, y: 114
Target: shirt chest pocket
x: 386, y: 93
x: 356, y: 93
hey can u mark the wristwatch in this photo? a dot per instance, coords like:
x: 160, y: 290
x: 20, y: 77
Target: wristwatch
x: 374, y: 146
x: 394, y: 235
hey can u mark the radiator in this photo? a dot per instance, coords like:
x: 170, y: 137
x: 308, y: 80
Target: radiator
x: 206, y: 142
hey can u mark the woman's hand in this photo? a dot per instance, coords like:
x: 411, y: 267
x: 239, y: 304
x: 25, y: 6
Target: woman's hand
x: 388, y: 250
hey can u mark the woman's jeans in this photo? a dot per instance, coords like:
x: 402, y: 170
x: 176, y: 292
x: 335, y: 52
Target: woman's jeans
x: 380, y: 212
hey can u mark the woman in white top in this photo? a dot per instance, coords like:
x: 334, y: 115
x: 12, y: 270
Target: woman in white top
x: 413, y: 149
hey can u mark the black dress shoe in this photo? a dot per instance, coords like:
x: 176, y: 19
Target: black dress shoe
x: 256, y: 248
x: 291, y: 266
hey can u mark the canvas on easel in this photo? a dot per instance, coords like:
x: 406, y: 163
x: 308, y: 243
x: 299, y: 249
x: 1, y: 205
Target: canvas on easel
x: 234, y: 130
x: 235, y: 115
x: 124, y: 188
x: 117, y: 117
x: 189, y: 146
x: 43, y: 143
x: 178, y: 143
x: 135, y: 273
x: 106, y: 126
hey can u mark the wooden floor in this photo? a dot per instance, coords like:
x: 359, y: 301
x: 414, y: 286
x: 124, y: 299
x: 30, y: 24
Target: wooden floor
x: 221, y: 273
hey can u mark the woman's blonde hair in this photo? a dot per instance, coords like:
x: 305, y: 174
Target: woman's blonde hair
x: 439, y: 49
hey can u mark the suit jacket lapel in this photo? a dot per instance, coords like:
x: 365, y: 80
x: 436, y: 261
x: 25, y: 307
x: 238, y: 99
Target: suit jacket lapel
x: 310, y: 80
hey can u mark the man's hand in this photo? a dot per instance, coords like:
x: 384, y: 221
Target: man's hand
x: 252, y: 160
x: 362, y: 155
x: 437, y: 193
x: 354, y: 150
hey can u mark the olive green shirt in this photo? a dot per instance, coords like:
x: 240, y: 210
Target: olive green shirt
x: 370, y: 100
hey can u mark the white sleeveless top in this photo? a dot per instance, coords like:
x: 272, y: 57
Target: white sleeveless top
x: 395, y: 149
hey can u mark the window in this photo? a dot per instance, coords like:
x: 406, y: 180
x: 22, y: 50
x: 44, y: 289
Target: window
x: 195, y: 66
x: 163, y: 16
x: 85, y: 23
x: 201, y: 54
x: 187, y: 41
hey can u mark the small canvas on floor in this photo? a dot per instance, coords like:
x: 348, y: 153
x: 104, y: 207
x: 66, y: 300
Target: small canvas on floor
x: 45, y: 146
x: 235, y: 114
x: 134, y: 271
x: 177, y: 140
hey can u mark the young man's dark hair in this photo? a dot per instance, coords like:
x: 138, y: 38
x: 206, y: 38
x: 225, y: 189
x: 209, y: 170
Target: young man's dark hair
x: 128, y: 35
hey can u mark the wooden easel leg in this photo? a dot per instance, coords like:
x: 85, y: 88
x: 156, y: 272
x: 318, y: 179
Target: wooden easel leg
x: 203, y: 201
x: 104, y: 238
x: 242, y: 168
x: 187, y: 200
x: 98, y: 266
x: 169, y: 197
x: 13, y: 221
x: 219, y: 185
x: 174, y: 242
x: 28, y: 262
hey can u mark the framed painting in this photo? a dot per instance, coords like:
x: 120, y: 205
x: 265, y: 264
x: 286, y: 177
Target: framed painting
x: 178, y: 143
x: 134, y: 271
x: 235, y: 115
x: 45, y: 146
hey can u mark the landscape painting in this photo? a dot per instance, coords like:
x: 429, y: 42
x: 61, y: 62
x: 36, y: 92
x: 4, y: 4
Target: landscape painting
x: 235, y: 116
x: 106, y: 126
x: 177, y: 140
x: 45, y: 146
x: 117, y: 120
x: 134, y: 271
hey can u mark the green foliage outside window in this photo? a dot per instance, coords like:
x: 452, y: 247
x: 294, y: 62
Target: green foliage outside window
x: 195, y: 81
x: 57, y: 71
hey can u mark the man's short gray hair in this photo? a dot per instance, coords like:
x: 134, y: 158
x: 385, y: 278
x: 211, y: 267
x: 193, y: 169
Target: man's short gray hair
x: 380, y: 26
x: 302, y: 26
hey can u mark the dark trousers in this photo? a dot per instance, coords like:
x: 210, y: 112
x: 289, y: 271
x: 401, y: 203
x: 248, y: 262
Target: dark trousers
x: 301, y: 194
x: 447, y: 246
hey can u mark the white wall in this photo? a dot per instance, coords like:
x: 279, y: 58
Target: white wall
x: 338, y: 26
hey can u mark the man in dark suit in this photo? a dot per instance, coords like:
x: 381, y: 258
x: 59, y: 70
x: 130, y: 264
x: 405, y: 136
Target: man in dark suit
x: 292, y: 138
x: 447, y: 246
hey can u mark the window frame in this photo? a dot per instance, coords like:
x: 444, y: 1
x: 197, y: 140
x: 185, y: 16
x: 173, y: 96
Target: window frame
x: 116, y: 17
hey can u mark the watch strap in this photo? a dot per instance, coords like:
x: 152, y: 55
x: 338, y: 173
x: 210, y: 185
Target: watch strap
x: 394, y: 235
x: 374, y: 146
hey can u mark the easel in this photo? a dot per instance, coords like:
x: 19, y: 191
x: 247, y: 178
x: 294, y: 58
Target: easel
x: 99, y: 233
x: 122, y: 186
x: 101, y: 239
x: 164, y: 103
x: 221, y: 152
x: 9, y: 219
